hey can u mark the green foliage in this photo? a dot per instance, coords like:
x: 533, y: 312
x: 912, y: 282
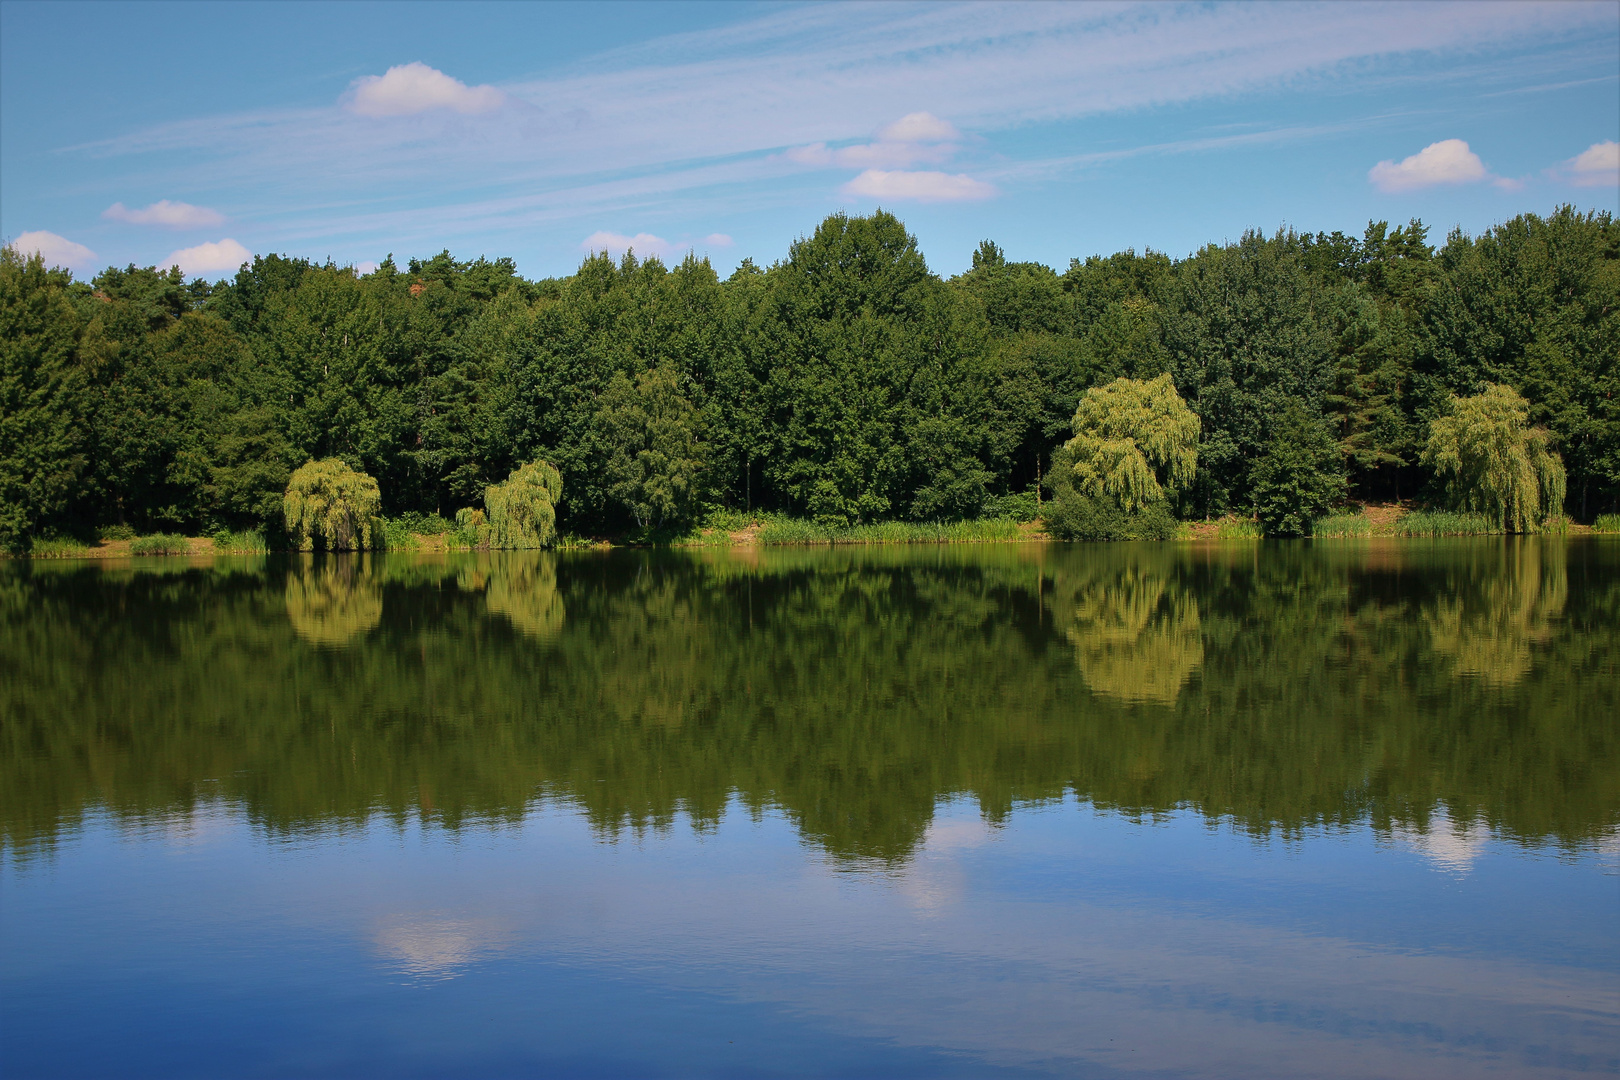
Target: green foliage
x: 781, y: 531
x: 1606, y: 523
x: 655, y: 452
x: 1491, y: 461
x: 330, y: 505
x: 1341, y: 526
x: 472, y: 530
x: 521, y: 510
x: 160, y: 544
x: 1015, y: 506
x: 1134, y: 442
x: 1300, y: 476
x: 1445, y: 523
x: 115, y: 532
x: 1072, y: 516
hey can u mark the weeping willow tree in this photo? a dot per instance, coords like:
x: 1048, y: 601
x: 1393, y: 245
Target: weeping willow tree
x: 1491, y: 461
x: 1135, y: 444
x: 331, y: 504
x: 522, y: 510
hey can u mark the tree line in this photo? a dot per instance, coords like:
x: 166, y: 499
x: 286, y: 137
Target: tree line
x: 845, y: 383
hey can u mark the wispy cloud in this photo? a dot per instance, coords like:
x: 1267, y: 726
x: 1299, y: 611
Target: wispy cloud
x: 645, y: 244
x: 55, y: 250
x: 171, y: 215
x: 822, y: 79
x: 212, y: 258
x: 408, y: 89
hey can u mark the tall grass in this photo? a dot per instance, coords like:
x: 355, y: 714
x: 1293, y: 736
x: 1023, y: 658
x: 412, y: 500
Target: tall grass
x: 1232, y: 528
x: 783, y: 531
x: 1606, y: 523
x: 59, y: 548
x: 1444, y: 523
x: 248, y: 542
x: 160, y: 544
x: 1341, y: 526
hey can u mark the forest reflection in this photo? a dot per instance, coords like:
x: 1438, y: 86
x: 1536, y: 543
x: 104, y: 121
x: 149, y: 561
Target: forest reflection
x: 1275, y: 687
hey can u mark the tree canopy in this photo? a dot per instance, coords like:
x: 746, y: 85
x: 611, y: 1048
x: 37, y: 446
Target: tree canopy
x: 1489, y: 459
x: 330, y: 505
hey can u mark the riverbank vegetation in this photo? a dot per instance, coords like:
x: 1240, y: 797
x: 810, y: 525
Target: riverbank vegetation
x: 845, y: 386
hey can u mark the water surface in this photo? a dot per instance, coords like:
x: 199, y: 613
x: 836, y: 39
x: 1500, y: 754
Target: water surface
x: 1235, y: 810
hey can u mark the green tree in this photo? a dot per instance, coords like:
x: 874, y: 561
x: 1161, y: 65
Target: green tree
x: 655, y: 453
x: 42, y: 442
x: 331, y: 504
x: 1135, y: 446
x: 523, y: 509
x: 1299, y: 477
x: 1490, y: 460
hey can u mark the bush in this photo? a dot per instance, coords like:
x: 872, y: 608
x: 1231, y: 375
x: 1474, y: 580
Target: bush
x: 160, y: 544
x: 1018, y: 506
x: 1072, y: 516
x: 472, y: 530
x: 1338, y: 526
x: 333, y: 505
x: 115, y: 532
x: 1607, y: 523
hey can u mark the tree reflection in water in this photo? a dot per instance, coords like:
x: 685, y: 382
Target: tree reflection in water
x: 1277, y: 687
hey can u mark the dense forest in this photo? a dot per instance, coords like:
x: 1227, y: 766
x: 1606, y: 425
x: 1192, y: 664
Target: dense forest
x: 846, y: 383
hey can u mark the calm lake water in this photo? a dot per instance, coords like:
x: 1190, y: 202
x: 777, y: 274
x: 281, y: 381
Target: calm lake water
x: 1343, y: 809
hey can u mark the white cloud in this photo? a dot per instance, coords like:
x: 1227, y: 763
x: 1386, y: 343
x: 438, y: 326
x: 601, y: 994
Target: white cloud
x: 364, y: 268
x: 920, y: 186
x: 55, y: 250
x: 719, y: 239
x: 1448, y: 161
x: 878, y: 155
x: 644, y: 244
x: 173, y: 215
x: 227, y: 254
x: 919, y: 127
x: 408, y: 89
x: 1596, y: 166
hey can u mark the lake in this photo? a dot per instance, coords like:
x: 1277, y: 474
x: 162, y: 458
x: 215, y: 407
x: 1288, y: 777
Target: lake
x: 1331, y: 809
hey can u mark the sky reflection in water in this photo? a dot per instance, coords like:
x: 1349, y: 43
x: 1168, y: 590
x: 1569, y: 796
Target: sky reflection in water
x: 1132, y: 810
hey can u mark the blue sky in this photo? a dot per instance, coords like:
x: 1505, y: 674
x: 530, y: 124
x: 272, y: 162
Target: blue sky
x: 199, y: 132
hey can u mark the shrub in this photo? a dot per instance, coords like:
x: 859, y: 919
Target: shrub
x: 160, y: 544
x: 523, y: 509
x: 472, y: 529
x: 1607, y: 523
x: 1017, y: 506
x: 115, y: 532
x: 333, y: 505
x: 1073, y: 516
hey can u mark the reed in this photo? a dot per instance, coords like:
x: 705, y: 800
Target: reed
x: 1233, y: 528
x: 1341, y: 526
x: 246, y: 542
x: 1444, y: 523
x: 1606, y: 523
x: 59, y: 548
x: 160, y: 544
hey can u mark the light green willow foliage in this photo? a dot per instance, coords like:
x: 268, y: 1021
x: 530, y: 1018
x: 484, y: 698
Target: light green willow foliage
x: 330, y: 502
x: 1492, y: 461
x: 1134, y: 440
x: 523, y: 509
